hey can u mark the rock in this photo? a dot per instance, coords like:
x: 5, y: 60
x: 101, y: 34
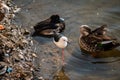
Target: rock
x: 34, y: 55
x: 16, y: 9
x: 21, y: 56
x: 41, y: 78
x: 3, y: 69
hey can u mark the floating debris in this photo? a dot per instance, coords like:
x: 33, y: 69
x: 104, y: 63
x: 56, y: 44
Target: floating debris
x: 9, y: 70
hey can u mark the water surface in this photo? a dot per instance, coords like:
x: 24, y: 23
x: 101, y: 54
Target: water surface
x: 80, y: 66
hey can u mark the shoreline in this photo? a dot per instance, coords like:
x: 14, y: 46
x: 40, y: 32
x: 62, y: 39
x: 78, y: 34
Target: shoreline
x: 24, y: 60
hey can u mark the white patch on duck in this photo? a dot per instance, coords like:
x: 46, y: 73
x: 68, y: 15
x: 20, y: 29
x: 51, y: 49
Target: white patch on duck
x: 106, y: 42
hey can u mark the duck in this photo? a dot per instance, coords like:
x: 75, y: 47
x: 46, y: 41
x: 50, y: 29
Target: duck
x: 61, y: 42
x: 48, y: 26
x: 96, y: 41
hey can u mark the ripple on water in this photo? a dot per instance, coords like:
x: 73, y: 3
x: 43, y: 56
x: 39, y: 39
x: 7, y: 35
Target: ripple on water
x: 106, y: 66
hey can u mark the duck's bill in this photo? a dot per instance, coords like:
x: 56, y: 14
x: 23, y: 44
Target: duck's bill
x: 62, y: 19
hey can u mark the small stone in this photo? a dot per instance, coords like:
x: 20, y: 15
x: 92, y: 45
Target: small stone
x: 25, y: 41
x: 98, y: 13
x: 26, y: 32
x: 6, y: 55
x: 16, y: 10
x: 34, y: 55
x: 3, y: 69
x: 21, y: 56
x: 41, y: 78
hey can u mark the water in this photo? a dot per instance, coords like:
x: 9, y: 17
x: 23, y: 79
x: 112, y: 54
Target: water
x: 80, y: 66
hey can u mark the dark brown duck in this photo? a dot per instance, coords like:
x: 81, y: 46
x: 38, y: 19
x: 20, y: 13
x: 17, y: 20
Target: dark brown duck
x: 48, y: 26
x: 96, y: 40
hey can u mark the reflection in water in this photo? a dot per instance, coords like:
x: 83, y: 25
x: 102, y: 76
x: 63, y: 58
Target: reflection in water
x: 82, y: 66
x: 103, y: 54
x: 85, y: 67
x: 60, y: 75
x: 103, y: 58
x: 111, y: 53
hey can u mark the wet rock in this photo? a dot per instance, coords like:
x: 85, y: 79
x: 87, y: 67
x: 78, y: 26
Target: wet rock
x: 24, y: 31
x: 3, y: 69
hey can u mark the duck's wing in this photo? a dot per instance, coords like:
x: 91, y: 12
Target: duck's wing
x: 43, y: 25
x: 100, y: 31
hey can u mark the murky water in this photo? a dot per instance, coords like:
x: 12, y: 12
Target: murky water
x: 80, y: 66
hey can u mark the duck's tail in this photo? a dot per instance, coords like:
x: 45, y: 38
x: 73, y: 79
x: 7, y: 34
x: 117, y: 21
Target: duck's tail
x: 108, y: 45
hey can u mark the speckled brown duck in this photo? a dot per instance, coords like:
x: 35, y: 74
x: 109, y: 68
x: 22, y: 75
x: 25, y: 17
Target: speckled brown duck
x: 96, y: 40
x: 48, y: 26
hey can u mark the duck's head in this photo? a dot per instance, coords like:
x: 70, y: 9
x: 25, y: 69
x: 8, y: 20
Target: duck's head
x: 85, y: 30
x: 56, y: 18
